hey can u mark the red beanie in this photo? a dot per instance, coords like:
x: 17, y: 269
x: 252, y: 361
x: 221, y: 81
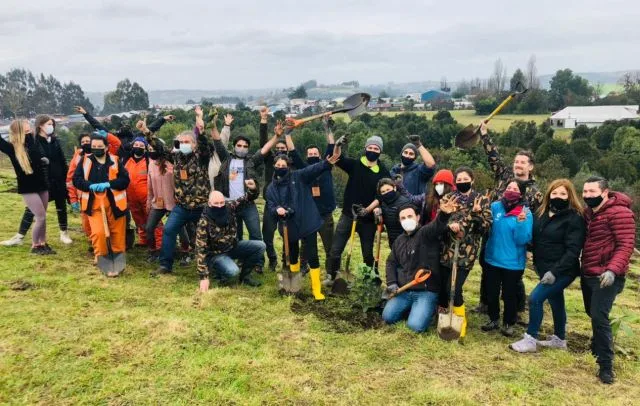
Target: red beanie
x: 444, y: 176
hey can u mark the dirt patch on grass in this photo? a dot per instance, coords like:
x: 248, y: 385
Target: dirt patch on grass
x: 21, y: 285
x: 578, y: 343
x: 340, y: 314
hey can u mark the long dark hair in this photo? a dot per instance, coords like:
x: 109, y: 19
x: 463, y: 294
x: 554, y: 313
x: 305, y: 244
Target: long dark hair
x: 432, y: 199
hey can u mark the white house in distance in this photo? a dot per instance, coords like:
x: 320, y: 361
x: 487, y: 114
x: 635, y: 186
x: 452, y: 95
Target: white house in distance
x: 592, y: 116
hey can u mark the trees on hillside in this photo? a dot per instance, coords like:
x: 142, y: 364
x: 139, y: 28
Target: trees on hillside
x: 127, y: 96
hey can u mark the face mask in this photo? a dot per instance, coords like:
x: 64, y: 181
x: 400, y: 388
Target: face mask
x: 48, y: 129
x: 138, y: 152
x: 154, y: 155
x: 440, y: 189
x: 511, y: 198
x: 218, y: 215
x: 389, y: 196
x: 186, y: 149
x: 409, y: 225
x: 280, y: 172
x: 313, y: 160
x: 593, y: 202
x: 556, y: 204
x: 98, y: 152
x: 241, y: 152
x: 86, y: 148
x: 406, y: 161
x: 371, y: 156
x: 463, y: 187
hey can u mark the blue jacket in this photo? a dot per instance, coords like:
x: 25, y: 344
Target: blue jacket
x: 508, y: 239
x: 293, y: 192
x: 326, y: 202
x: 414, y: 176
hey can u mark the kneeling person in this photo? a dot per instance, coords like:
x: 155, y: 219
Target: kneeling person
x: 217, y: 245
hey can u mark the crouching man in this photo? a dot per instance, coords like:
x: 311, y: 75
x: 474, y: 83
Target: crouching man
x: 217, y: 245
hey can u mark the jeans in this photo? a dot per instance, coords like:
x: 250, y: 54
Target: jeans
x: 269, y: 226
x: 178, y: 218
x: 597, y: 303
x: 154, y: 218
x: 249, y: 216
x: 366, y: 231
x: 223, y: 266
x: 445, y: 286
x: 554, y: 293
x: 422, y: 304
x: 506, y: 279
x: 326, y: 235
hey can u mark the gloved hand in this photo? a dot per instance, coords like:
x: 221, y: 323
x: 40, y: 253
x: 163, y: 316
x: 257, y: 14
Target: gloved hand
x: 607, y: 279
x: 290, y: 212
x: 101, y: 133
x: 415, y: 140
x: 362, y: 212
x: 548, y: 278
x: 75, y: 207
x: 392, y: 289
x: 99, y: 187
x: 328, y: 123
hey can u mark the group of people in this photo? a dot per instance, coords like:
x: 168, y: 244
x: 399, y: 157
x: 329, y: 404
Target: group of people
x: 435, y: 221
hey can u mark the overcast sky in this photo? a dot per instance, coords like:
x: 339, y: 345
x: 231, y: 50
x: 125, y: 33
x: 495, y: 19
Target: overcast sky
x: 189, y: 44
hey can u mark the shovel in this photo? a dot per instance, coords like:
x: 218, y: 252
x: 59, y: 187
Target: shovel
x: 353, y: 105
x: 340, y: 285
x: 284, y: 278
x: 376, y: 260
x: 420, y: 277
x: 469, y: 136
x: 449, y: 324
x: 111, y: 264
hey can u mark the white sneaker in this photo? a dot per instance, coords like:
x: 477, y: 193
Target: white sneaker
x: 527, y: 344
x: 13, y: 241
x: 64, y: 237
x: 553, y: 341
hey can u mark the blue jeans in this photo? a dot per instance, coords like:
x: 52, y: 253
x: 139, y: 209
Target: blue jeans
x: 554, y: 293
x: 178, y: 217
x: 422, y: 304
x: 223, y: 266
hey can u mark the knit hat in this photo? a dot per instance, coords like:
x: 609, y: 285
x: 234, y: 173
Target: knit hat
x: 410, y: 146
x: 444, y: 176
x: 140, y: 139
x: 374, y: 140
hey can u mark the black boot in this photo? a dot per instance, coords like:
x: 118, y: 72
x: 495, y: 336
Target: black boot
x: 606, y: 375
x: 490, y: 326
x: 246, y: 279
x: 130, y: 238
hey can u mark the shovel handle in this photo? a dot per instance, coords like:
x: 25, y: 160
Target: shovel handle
x: 421, y: 276
x: 503, y: 104
x: 285, y: 235
x: 105, y: 223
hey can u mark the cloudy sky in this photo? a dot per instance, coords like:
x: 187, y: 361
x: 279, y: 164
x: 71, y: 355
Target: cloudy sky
x: 189, y: 44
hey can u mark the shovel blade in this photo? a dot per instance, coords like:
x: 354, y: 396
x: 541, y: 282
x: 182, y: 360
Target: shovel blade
x: 449, y: 326
x: 112, y: 264
x: 467, y: 138
x: 340, y: 286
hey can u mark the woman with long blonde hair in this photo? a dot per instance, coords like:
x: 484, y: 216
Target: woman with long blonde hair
x: 30, y: 166
x: 558, y: 237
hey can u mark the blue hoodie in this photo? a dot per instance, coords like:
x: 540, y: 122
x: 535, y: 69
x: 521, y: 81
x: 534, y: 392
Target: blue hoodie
x: 414, y: 176
x: 508, y: 239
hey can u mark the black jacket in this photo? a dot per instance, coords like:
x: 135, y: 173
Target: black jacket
x: 390, y: 216
x: 100, y: 173
x: 251, y: 162
x: 37, y: 181
x: 57, y: 168
x: 420, y: 250
x: 557, y: 243
x: 326, y: 202
x: 362, y: 184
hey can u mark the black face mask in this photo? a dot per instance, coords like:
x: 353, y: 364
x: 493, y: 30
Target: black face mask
x: 218, y: 215
x: 406, y: 161
x: 593, y: 202
x: 98, y: 152
x: 280, y: 172
x: 372, y: 156
x: 389, y: 197
x: 463, y: 187
x: 86, y: 148
x: 138, y: 152
x: 556, y: 204
x: 313, y: 160
x: 154, y: 155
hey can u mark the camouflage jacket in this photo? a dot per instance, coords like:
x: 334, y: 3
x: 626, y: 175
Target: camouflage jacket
x: 503, y: 174
x: 474, y: 225
x: 213, y: 239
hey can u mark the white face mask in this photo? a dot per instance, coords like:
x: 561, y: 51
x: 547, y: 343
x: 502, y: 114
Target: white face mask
x: 186, y: 149
x: 440, y: 189
x: 409, y: 224
x: 48, y: 129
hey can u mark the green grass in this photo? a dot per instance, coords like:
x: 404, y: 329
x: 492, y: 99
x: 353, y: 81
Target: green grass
x: 78, y: 338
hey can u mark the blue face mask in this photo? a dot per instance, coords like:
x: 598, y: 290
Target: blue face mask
x: 186, y: 149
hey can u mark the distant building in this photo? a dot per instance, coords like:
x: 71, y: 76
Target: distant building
x: 433, y: 95
x: 592, y: 116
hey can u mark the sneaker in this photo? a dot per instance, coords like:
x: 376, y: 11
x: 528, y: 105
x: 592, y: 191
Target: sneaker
x: 161, y: 271
x: 521, y: 321
x: 606, y: 375
x: 490, y: 326
x: 304, y: 269
x: 258, y: 269
x: 48, y: 250
x: 527, y: 344
x: 186, y: 260
x: 13, y: 241
x: 38, y: 250
x: 247, y: 280
x: 481, y: 308
x: 152, y: 258
x: 328, y: 281
x: 553, y: 341
x: 508, y: 330
x: 64, y: 237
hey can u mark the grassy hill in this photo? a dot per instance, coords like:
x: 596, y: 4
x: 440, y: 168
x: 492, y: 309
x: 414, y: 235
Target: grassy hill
x: 70, y: 336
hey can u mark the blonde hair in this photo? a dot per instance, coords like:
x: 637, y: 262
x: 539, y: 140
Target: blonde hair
x: 17, y: 138
x: 574, y: 201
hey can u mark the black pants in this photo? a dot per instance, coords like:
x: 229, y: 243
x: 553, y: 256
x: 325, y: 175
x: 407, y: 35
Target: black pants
x: 521, y: 297
x: 597, y: 303
x: 155, y: 215
x: 445, y: 286
x: 310, y: 248
x: 269, y: 226
x: 366, y: 231
x: 326, y: 235
x: 60, y: 200
x: 506, y: 279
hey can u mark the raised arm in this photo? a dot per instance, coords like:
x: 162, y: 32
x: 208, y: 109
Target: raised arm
x: 493, y: 155
x: 90, y: 119
x: 278, y: 130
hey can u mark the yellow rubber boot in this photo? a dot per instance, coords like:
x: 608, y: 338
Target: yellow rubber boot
x: 295, y: 267
x: 459, y: 311
x: 316, y: 285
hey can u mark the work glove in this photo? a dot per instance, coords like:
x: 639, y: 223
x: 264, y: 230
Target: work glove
x: 101, y: 133
x: 607, y: 279
x: 415, y: 140
x: 548, y: 279
x: 328, y: 124
x: 99, y: 187
x: 361, y: 212
x: 75, y: 207
x: 392, y: 289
